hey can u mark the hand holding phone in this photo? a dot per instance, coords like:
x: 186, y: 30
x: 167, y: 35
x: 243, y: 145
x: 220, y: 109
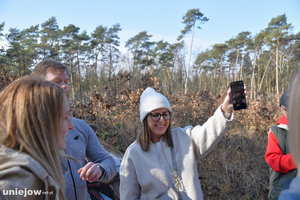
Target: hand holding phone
x: 238, y: 95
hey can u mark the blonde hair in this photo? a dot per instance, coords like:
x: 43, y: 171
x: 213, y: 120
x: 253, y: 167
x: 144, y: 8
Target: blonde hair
x: 294, y: 119
x: 31, y: 113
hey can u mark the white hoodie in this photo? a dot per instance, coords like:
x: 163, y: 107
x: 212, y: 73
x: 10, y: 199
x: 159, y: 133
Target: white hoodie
x: 142, y: 176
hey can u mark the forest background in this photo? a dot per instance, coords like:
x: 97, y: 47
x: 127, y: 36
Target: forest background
x: 106, y: 85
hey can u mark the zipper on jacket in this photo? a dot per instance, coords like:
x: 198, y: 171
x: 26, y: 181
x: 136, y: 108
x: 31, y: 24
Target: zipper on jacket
x: 72, y: 179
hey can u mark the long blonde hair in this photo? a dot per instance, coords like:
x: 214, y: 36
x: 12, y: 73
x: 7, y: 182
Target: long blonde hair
x: 294, y: 119
x: 31, y: 113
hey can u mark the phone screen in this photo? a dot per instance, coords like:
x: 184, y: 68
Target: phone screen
x: 238, y: 95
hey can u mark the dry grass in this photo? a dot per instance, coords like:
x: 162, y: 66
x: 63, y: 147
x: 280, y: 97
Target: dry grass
x: 235, y: 169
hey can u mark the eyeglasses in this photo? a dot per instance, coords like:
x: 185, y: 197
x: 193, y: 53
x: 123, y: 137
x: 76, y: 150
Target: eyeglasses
x: 156, y: 116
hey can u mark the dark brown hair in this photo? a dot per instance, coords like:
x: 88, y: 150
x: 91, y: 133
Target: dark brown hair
x: 144, y: 136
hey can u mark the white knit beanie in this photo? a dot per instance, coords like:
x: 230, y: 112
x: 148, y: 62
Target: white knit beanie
x: 151, y: 100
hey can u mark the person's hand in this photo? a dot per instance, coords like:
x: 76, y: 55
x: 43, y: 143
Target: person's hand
x: 90, y: 172
x: 227, y: 105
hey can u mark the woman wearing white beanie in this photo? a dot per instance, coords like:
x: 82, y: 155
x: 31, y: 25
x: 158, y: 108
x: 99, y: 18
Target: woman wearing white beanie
x: 162, y: 163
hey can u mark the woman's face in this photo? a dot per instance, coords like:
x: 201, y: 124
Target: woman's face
x: 158, y: 128
x: 66, y: 125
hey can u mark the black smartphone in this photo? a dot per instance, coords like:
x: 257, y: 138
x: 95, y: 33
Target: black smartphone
x: 238, y: 95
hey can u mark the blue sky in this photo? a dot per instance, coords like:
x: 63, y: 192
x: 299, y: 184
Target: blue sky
x: 161, y: 18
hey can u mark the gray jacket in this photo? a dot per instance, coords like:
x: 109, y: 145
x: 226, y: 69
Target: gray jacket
x: 82, y: 143
x: 22, y: 177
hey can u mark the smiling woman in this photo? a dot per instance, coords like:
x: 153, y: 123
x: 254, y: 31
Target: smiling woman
x: 153, y: 167
x: 34, y: 120
x: 158, y: 123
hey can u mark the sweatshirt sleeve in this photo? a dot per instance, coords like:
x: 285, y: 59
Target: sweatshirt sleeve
x: 129, y: 186
x: 275, y: 158
x: 96, y: 153
x: 206, y: 137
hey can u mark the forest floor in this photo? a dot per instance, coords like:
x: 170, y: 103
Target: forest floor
x: 235, y: 169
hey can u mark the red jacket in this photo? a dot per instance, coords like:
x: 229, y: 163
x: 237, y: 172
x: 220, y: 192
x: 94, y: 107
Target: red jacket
x: 274, y: 156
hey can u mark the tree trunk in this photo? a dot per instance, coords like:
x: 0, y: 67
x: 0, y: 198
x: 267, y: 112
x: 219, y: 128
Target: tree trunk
x: 167, y: 79
x: 71, y: 76
x: 221, y: 74
x: 253, y: 78
x: 200, y: 76
x: 57, y: 50
x: 236, y: 63
x: 44, y: 50
x: 180, y: 74
x: 188, y: 67
x: 134, y: 74
x: 24, y: 67
x: 241, y: 70
x: 267, y: 85
x: 229, y: 67
x: 281, y: 80
x: 215, y: 76
x: 78, y: 77
x: 96, y: 74
x: 110, y: 68
x: 277, y: 47
x: 262, y: 79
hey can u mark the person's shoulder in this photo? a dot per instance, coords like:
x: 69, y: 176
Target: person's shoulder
x: 80, y: 124
x: 134, y: 147
x: 16, y: 157
x: 19, y: 161
x: 178, y: 130
x: 78, y: 121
